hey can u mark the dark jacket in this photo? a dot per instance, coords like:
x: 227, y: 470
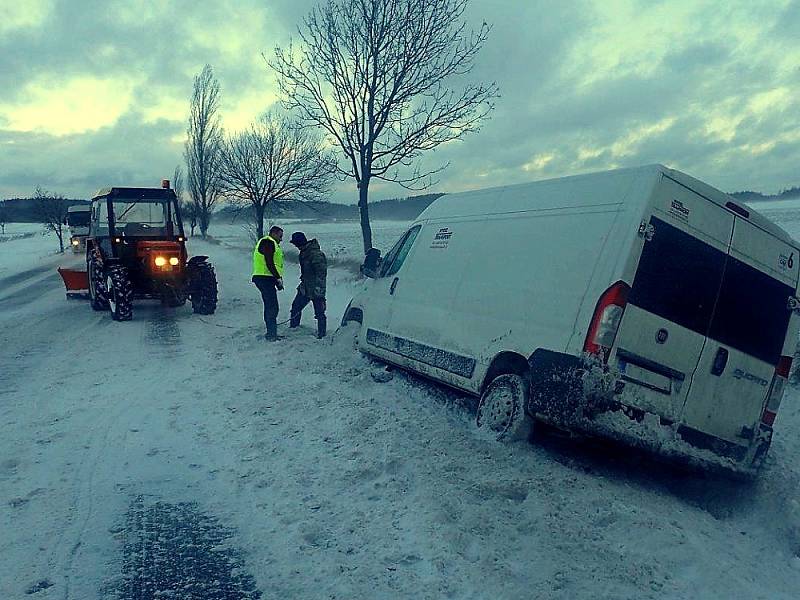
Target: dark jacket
x: 313, y: 270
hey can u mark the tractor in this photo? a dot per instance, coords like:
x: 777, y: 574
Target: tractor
x: 136, y: 248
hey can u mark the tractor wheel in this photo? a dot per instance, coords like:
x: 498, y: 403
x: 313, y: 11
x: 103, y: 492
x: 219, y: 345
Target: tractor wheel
x: 97, y: 285
x: 120, y: 293
x: 501, y: 409
x: 204, y: 296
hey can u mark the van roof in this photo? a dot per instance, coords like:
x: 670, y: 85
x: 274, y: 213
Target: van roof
x: 606, y: 188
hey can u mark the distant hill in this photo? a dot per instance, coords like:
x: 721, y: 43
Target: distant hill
x: 748, y: 196
x: 21, y: 210
x: 392, y: 209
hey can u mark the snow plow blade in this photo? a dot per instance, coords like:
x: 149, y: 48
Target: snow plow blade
x: 76, y: 282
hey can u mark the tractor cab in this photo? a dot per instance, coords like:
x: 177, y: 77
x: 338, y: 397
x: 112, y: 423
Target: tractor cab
x: 136, y: 214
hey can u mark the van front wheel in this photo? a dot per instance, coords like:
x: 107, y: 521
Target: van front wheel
x: 501, y: 409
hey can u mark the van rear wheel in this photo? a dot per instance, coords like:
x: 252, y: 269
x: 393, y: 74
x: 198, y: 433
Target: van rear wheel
x: 501, y: 409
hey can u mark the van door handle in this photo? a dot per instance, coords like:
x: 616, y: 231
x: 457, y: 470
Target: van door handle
x: 720, y: 362
x: 394, y: 285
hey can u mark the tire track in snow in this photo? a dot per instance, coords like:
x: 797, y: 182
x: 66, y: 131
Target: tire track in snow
x: 11, y: 280
x: 84, y: 498
x: 102, y: 432
x: 162, y: 329
x: 106, y: 429
x: 175, y: 550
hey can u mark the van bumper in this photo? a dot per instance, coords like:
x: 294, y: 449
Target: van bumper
x: 567, y: 389
x: 570, y: 392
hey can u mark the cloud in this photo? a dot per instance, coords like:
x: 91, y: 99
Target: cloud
x: 95, y: 92
x: 22, y: 15
x: 700, y: 86
x: 38, y: 109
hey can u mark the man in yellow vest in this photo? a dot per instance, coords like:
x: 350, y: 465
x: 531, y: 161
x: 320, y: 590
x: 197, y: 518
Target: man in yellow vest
x: 268, y: 277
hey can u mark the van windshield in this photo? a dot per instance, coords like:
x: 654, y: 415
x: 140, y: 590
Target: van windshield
x: 78, y: 218
x: 397, y: 255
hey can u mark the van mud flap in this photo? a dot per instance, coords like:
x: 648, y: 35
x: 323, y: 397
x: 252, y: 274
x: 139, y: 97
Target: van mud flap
x: 567, y: 390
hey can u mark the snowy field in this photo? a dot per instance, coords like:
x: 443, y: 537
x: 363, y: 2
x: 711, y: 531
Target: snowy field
x: 342, y: 241
x: 177, y: 456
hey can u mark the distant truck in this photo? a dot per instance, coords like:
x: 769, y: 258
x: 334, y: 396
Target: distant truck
x: 78, y: 217
x: 639, y: 304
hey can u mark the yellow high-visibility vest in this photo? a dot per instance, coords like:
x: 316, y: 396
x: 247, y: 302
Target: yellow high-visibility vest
x: 260, y: 261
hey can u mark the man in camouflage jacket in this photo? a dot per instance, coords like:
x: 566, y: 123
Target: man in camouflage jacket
x: 313, y: 273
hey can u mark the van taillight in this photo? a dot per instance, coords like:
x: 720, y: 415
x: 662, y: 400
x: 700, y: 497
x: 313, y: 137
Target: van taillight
x: 779, y: 381
x: 606, y: 319
x: 784, y: 366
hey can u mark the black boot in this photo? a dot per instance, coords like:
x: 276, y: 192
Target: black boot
x: 322, y: 327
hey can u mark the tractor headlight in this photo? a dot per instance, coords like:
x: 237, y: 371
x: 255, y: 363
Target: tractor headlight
x: 160, y: 261
x: 75, y: 242
x: 174, y: 261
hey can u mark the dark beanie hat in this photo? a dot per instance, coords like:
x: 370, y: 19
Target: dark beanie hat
x: 298, y: 238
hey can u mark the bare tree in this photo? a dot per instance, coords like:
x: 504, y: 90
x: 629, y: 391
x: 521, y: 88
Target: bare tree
x: 187, y: 207
x: 177, y: 182
x: 203, y: 146
x: 373, y: 74
x: 51, y: 210
x: 275, y: 159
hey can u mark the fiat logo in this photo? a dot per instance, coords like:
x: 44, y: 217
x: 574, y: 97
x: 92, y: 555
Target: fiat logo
x: 662, y: 335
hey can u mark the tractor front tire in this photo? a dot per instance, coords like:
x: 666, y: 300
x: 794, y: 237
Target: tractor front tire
x: 97, y: 287
x: 120, y: 293
x: 204, y: 295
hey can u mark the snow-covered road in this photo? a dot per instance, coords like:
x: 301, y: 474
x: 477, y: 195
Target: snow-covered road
x: 185, y: 454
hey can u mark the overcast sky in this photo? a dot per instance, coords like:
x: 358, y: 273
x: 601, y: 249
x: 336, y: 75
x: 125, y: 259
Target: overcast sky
x: 95, y: 92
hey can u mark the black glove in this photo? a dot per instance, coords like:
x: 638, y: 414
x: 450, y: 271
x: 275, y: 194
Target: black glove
x: 279, y: 283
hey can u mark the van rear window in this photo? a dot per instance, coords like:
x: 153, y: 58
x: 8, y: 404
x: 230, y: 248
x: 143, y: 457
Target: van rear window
x: 752, y: 314
x: 678, y: 277
x: 691, y: 283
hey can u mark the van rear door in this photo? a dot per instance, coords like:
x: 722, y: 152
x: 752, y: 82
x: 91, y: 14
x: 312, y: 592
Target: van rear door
x: 746, y: 337
x: 671, y: 302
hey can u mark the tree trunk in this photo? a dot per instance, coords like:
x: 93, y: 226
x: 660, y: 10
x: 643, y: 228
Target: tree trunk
x: 204, y: 219
x: 259, y: 210
x: 60, y: 234
x: 363, y: 209
x: 203, y: 216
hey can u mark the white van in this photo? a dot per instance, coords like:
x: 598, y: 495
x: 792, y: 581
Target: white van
x: 639, y: 304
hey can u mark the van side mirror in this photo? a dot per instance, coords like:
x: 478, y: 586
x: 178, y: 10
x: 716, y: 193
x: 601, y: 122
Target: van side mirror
x: 372, y: 263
